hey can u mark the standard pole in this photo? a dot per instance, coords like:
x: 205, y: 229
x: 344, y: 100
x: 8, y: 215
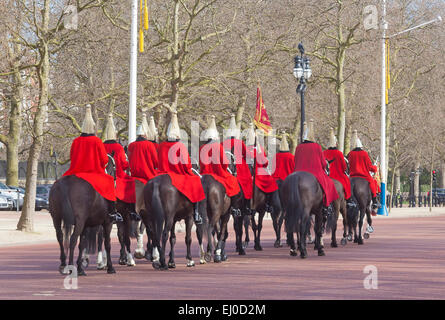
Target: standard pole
x: 133, y: 72
x: 383, y: 210
x: 303, y: 118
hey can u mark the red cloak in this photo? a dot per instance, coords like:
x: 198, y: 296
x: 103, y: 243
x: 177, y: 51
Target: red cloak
x: 143, y: 159
x: 88, y: 161
x: 125, y: 188
x: 263, y: 179
x: 338, y: 169
x: 360, y: 165
x: 283, y: 165
x: 243, y: 175
x: 309, y: 158
x: 174, y: 160
x: 213, y: 161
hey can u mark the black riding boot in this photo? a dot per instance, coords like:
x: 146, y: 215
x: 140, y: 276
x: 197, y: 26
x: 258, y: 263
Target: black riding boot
x: 197, y: 216
x: 351, y: 203
x: 133, y: 215
x: 113, y: 214
x: 375, y: 203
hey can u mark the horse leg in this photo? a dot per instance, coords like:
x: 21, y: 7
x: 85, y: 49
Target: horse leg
x: 127, y: 242
x: 107, y: 227
x: 82, y: 242
x: 259, y: 228
x: 303, y: 230
x: 171, y: 261
x: 345, y: 226
x: 277, y: 220
x: 318, y: 229
x: 238, y: 226
x: 188, y: 240
x: 246, y: 222
x: 120, y: 235
x: 199, y: 234
x: 218, y: 257
x: 78, y: 229
x: 59, y: 235
x: 360, y: 226
x: 164, y: 238
x: 291, y: 243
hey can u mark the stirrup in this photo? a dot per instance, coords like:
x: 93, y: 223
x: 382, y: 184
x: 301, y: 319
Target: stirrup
x: 115, y: 217
x: 198, y: 220
x: 134, y: 216
x: 236, y: 212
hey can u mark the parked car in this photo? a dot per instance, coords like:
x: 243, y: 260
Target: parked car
x: 14, y: 194
x: 42, y: 190
x: 41, y: 202
x: 6, y: 203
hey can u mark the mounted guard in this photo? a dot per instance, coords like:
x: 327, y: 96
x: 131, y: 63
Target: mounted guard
x: 283, y: 162
x: 88, y: 161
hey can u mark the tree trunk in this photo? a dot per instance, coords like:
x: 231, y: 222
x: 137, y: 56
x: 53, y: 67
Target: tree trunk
x: 442, y: 174
x: 397, y: 181
x: 341, y: 100
x: 26, y: 222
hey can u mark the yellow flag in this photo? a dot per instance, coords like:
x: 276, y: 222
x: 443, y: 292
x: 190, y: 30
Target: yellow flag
x: 141, y: 40
x: 146, y: 15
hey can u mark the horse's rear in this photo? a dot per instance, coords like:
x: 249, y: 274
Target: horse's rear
x: 74, y: 205
x: 214, y: 209
x: 164, y: 206
x: 302, y: 196
x: 339, y: 207
x: 362, y: 194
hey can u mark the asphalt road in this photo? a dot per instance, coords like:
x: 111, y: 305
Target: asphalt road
x: 407, y: 257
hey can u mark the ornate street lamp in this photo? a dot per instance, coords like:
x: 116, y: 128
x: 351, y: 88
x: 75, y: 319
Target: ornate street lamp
x: 302, y: 71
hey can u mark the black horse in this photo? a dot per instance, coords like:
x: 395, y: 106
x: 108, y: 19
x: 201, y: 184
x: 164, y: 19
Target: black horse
x: 164, y: 206
x: 248, y: 209
x: 302, y: 196
x: 259, y: 205
x: 75, y: 205
x: 339, y: 207
x: 215, y: 213
x: 362, y: 194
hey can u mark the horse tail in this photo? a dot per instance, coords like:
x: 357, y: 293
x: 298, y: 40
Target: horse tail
x: 331, y: 222
x: 67, y: 217
x: 294, y: 209
x: 157, y: 209
x: 134, y: 229
x: 91, y: 238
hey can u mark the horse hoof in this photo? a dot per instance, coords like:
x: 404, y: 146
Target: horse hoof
x: 321, y: 253
x: 366, y: 235
x: 242, y: 252
x: 80, y: 273
x: 258, y: 248
x: 171, y: 265
x: 303, y: 255
x: 139, y: 255
x: 245, y: 244
x: 111, y: 271
x: 370, y: 229
x: 131, y: 263
x: 156, y: 265
x: 208, y: 257
x: 334, y: 245
x: 360, y: 241
x: 277, y: 244
x: 148, y: 257
x: 190, y: 263
x: 293, y: 253
x: 202, y: 261
x: 223, y: 257
x: 355, y: 240
x: 217, y: 259
x: 122, y: 262
x: 85, y: 263
x: 101, y: 266
x: 343, y: 241
x: 62, y: 270
x: 349, y: 238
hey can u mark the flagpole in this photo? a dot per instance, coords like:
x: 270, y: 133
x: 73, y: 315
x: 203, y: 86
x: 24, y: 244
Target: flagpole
x: 133, y: 72
x: 383, y: 210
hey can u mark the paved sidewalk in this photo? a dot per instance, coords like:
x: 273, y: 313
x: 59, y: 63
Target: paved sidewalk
x: 44, y: 230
